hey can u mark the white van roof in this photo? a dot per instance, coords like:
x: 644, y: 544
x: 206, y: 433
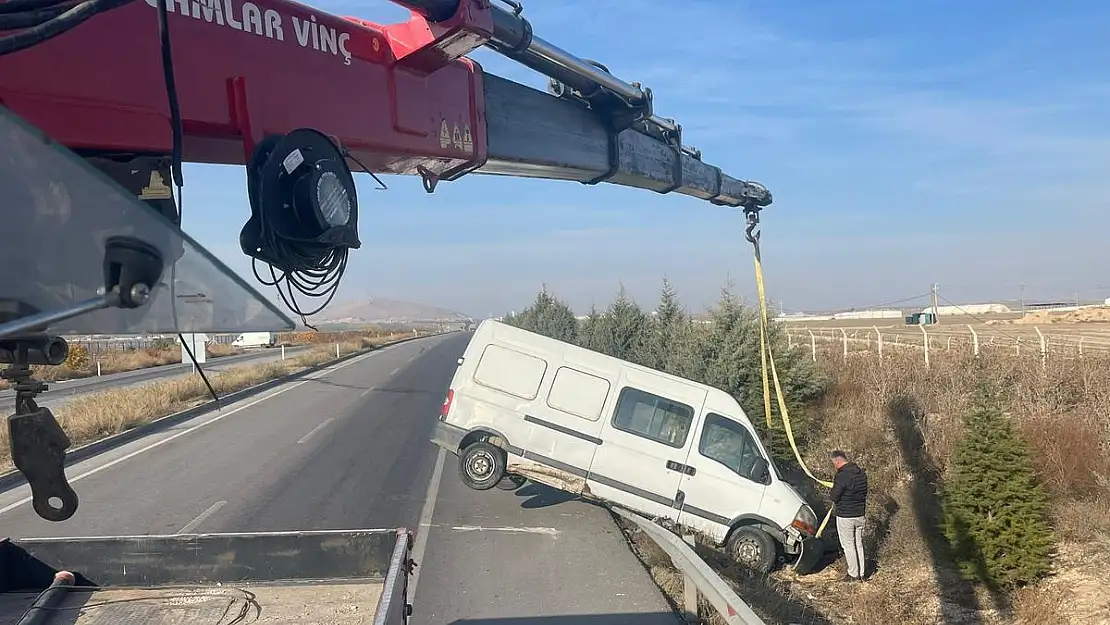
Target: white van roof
x: 500, y: 328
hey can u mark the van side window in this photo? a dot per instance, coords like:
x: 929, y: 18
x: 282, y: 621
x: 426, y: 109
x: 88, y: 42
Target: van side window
x: 578, y: 393
x: 729, y: 443
x: 653, y: 417
x: 510, y: 371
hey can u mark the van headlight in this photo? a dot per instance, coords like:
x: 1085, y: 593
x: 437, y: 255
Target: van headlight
x: 805, y: 520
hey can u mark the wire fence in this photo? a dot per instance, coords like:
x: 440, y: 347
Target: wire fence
x: 1054, y: 342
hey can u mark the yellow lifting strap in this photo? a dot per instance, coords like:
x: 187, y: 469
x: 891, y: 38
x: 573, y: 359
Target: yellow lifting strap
x: 767, y: 361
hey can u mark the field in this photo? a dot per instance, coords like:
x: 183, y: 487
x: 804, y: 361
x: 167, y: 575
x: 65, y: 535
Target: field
x: 1073, y: 333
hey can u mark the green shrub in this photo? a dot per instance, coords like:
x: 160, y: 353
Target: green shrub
x: 995, y: 510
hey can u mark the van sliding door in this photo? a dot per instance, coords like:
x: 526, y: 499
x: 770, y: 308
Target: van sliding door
x: 646, y: 438
x: 564, y: 430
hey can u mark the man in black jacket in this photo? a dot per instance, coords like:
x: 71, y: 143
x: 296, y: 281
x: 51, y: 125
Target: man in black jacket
x: 849, y: 496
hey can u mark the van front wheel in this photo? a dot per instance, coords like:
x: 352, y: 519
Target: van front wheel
x: 482, y: 465
x: 753, y: 548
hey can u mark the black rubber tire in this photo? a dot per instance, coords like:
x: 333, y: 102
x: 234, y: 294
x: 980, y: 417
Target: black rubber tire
x: 481, y: 465
x: 753, y: 548
x: 511, y: 482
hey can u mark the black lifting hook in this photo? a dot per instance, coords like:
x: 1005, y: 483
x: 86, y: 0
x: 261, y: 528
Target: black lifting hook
x: 753, y: 221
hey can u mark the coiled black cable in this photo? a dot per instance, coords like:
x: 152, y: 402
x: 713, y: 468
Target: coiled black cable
x: 42, y: 20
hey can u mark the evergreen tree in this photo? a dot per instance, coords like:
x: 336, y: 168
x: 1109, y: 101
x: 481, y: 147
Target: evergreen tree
x: 550, y: 316
x: 995, y: 510
x: 669, y: 344
x: 589, y: 331
x: 623, y: 330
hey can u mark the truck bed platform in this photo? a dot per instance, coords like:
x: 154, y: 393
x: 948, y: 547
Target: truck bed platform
x: 311, y: 578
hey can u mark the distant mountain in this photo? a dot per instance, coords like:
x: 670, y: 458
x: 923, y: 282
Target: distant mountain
x: 383, y: 310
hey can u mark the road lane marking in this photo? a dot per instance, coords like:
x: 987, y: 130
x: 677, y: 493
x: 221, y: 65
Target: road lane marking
x: 315, y: 429
x: 367, y: 392
x: 395, y: 371
x: 425, y: 526
x: 157, y: 444
x: 192, y: 525
x: 550, y: 531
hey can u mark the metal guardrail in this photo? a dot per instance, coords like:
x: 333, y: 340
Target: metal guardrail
x: 698, y: 578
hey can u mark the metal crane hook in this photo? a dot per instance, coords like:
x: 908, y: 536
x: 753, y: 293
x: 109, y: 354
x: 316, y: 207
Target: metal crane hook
x: 753, y: 221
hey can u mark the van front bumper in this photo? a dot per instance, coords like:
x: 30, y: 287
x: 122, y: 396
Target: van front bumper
x: 448, y: 436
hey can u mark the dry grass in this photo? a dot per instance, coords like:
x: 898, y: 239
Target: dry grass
x: 901, y: 421
x: 98, y: 415
x: 81, y: 364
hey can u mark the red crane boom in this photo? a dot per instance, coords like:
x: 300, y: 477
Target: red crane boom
x: 301, y: 98
x: 400, y: 98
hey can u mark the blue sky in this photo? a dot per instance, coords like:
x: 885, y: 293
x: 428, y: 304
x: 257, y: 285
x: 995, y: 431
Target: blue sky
x: 966, y: 144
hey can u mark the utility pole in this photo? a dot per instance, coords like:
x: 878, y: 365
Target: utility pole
x: 1022, y: 300
x: 936, y: 309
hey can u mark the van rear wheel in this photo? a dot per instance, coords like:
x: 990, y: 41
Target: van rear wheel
x: 753, y: 548
x: 482, y: 465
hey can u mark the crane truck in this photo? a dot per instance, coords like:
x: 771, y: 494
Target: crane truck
x: 102, y: 101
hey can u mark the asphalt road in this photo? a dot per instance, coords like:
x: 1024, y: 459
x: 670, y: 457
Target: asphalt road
x: 348, y: 448
x: 61, y: 392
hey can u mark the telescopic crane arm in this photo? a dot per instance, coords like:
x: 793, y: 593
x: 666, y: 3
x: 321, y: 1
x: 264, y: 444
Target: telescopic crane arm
x: 301, y: 98
x: 398, y: 98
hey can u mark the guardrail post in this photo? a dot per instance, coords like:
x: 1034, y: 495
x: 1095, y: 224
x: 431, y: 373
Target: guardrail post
x: 283, y: 351
x: 98, y: 364
x: 337, y: 350
x: 689, y: 590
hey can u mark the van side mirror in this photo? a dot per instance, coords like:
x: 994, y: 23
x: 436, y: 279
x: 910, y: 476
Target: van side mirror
x: 759, y: 470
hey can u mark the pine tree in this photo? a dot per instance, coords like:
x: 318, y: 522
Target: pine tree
x: 589, y: 331
x: 549, y: 316
x: 995, y: 510
x: 624, y: 329
x: 669, y: 341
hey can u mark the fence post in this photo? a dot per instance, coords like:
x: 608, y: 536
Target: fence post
x: 844, y: 342
x: 98, y: 363
x: 337, y: 350
x: 1044, y: 347
x: 789, y: 340
x: 812, y: 344
x: 948, y: 345
x: 925, y: 344
x: 689, y: 590
x: 974, y: 340
x: 283, y: 351
x: 1081, y: 346
x: 1017, y: 347
x: 878, y: 340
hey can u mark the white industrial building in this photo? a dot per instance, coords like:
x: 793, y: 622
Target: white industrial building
x: 869, y: 314
x: 970, y: 309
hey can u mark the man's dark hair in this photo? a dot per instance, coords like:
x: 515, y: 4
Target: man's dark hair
x: 836, y: 453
